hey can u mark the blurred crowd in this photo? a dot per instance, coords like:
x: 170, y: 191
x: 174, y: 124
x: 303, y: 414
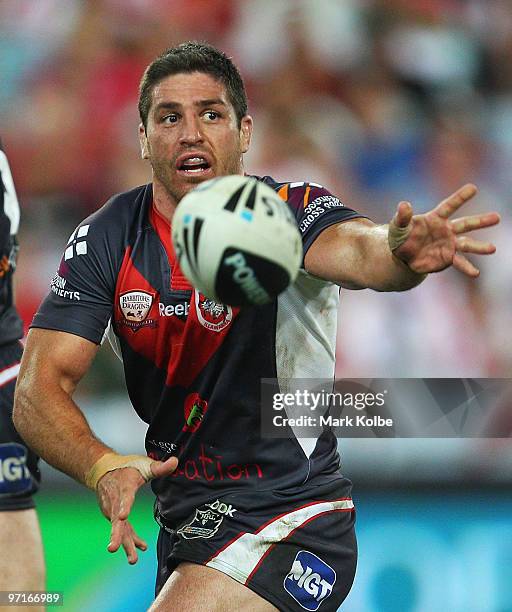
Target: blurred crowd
x: 378, y: 100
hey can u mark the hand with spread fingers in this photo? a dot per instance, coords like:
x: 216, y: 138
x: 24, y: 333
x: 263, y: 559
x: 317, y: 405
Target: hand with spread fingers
x: 432, y: 241
x: 116, y: 491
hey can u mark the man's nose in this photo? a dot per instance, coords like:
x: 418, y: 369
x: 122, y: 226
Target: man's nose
x: 191, y: 131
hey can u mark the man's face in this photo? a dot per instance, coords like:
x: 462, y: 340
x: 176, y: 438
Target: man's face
x: 192, y: 134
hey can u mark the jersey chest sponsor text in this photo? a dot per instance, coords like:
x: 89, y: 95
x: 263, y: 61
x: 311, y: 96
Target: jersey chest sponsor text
x: 178, y: 330
x: 137, y: 308
x: 181, y: 309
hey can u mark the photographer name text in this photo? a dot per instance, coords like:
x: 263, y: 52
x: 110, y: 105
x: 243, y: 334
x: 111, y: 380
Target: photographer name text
x: 361, y: 420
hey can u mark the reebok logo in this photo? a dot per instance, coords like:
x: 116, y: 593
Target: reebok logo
x: 222, y: 508
x: 173, y: 310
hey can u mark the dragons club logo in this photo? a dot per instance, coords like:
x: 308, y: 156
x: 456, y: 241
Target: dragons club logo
x: 211, y: 314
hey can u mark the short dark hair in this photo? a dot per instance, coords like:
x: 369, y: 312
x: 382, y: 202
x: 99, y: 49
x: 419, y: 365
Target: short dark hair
x: 193, y: 57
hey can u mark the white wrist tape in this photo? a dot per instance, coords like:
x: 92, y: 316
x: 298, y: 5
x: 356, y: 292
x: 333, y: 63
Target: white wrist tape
x: 113, y: 461
x: 397, y: 235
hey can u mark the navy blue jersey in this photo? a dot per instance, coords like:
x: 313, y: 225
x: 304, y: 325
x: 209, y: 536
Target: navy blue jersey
x: 19, y: 475
x: 192, y: 366
x: 11, y: 327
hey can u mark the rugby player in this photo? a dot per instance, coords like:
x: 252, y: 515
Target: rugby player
x: 22, y: 565
x: 260, y: 523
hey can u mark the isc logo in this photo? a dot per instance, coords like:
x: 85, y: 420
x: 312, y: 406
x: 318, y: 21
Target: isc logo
x: 15, y: 477
x: 310, y: 580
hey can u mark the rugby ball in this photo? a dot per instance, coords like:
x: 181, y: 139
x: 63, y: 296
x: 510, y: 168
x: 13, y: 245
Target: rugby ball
x: 236, y: 241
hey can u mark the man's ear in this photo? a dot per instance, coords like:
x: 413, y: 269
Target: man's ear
x: 246, y: 133
x: 143, y: 139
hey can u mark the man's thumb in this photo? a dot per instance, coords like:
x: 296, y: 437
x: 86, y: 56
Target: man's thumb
x: 403, y: 214
x: 400, y: 227
x: 164, y: 468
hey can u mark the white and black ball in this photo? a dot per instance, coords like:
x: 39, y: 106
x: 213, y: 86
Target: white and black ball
x: 237, y: 241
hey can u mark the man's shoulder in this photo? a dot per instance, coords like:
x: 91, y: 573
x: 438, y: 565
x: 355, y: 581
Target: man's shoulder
x: 116, y: 223
x: 125, y: 204
x: 122, y: 209
x: 302, y: 194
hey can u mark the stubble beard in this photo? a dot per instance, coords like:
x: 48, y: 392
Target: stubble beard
x: 177, y: 189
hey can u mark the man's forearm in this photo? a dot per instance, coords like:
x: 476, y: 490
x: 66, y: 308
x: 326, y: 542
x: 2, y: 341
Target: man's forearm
x: 378, y: 268
x: 356, y: 255
x: 54, y: 427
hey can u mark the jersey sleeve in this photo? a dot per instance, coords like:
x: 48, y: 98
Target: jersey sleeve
x: 11, y: 326
x: 315, y: 208
x: 81, y: 294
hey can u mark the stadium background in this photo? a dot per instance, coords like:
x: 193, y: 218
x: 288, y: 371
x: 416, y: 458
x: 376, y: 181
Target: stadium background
x: 379, y: 100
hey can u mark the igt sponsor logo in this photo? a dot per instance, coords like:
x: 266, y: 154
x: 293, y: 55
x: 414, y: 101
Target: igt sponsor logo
x: 310, y: 580
x: 15, y: 477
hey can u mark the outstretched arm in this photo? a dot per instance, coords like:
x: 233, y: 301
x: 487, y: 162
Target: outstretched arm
x: 52, y: 424
x: 358, y: 254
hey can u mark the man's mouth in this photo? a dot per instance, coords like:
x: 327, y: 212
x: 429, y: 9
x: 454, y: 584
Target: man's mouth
x: 194, y: 166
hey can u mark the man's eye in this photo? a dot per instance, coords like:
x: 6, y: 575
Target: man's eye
x: 211, y: 115
x: 170, y: 118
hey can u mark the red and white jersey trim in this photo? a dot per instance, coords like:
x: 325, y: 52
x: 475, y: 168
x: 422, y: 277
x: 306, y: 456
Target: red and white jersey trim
x: 241, y: 557
x: 9, y: 374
